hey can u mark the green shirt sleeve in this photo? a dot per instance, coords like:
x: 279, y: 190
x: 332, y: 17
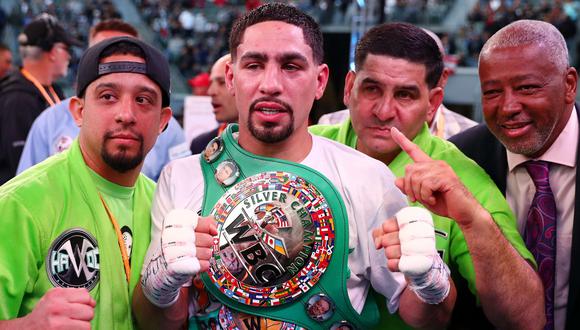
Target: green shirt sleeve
x: 20, y: 256
x: 488, y: 195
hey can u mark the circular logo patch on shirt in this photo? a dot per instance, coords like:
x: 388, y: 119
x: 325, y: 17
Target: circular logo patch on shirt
x: 73, y: 260
x: 276, y: 237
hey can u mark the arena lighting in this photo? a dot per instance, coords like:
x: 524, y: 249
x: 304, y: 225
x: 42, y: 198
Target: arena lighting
x: 359, y: 25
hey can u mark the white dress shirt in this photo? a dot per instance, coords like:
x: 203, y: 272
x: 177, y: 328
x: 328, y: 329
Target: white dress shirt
x: 521, y: 190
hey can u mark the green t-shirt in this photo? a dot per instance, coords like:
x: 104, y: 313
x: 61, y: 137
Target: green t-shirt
x: 119, y: 200
x: 56, y: 232
x: 450, y: 242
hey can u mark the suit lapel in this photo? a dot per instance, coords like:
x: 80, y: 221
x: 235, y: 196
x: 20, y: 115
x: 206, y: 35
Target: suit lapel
x: 501, y: 165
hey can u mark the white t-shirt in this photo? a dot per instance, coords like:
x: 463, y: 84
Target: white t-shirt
x: 365, y: 184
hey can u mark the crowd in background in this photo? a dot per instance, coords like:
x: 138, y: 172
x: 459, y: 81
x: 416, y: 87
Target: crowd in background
x: 77, y: 16
x: 193, y: 33
x: 487, y: 17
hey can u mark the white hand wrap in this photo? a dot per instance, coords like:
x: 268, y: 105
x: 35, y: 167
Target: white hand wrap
x: 175, y: 263
x: 417, y: 238
x: 420, y: 262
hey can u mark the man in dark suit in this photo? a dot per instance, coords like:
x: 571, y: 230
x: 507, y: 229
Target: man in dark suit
x: 528, y: 98
x: 224, y: 107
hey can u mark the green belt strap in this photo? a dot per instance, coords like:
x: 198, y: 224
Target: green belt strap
x: 333, y: 282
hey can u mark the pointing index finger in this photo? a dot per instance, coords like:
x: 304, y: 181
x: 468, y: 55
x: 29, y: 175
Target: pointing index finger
x: 408, y: 146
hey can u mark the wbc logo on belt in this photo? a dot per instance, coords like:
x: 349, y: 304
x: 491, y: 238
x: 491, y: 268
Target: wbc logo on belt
x: 276, y: 236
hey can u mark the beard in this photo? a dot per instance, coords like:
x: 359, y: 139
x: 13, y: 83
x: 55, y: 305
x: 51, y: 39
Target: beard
x: 271, y: 132
x: 528, y: 145
x: 121, y: 160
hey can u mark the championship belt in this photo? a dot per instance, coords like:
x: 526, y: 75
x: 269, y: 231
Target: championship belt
x: 282, y: 227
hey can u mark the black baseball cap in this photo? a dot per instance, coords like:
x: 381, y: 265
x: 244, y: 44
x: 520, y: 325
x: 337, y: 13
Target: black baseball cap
x: 155, y: 67
x: 44, y: 31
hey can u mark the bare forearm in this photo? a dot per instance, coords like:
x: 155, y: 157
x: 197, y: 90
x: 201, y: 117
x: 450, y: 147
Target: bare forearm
x: 508, y: 287
x: 424, y: 316
x: 150, y: 316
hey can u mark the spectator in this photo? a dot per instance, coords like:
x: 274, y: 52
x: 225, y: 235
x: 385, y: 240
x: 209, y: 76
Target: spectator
x: 44, y: 49
x: 444, y: 122
x: 199, y: 84
x: 223, y: 102
x: 5, y: 60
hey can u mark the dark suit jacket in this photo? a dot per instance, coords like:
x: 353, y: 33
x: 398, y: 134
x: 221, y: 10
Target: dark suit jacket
x: 199, y: 143
x: 479, y: 144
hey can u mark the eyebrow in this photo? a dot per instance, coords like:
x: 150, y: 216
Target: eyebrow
x: 147, y: 89
x: 525, y: 77
x: 105, y: 85
x: 411, y: 88
x: 291, y: 56
x: 140, y: 88
x: 285, y: 57
x: 511, y: 80
x: 369, y: 80
x: 254, y: 56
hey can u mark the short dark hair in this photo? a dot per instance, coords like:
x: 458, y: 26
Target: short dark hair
x: 3, y: 47
x: 114, y: 24
x: 403, y: 41
x: 283, y: 13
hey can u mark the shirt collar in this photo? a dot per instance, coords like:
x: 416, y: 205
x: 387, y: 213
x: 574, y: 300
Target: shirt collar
x: 346, y: 133
x: 562, y: 151
x: 435, y: 123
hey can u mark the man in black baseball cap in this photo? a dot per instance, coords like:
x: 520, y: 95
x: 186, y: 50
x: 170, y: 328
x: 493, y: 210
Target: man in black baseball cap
x: 86, y: 211
x: 155, y: 65
x: 45, y: 31
x: 25, y: 93
x: 138, y: 63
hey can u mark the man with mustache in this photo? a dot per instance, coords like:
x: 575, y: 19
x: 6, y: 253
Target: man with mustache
x: 65, y: 224
x: 529, y: 147
x: 55, y: 129
x: 442, y: 122
x: 396, y: 84
x: 276, y: 73
x: 224, y: 106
